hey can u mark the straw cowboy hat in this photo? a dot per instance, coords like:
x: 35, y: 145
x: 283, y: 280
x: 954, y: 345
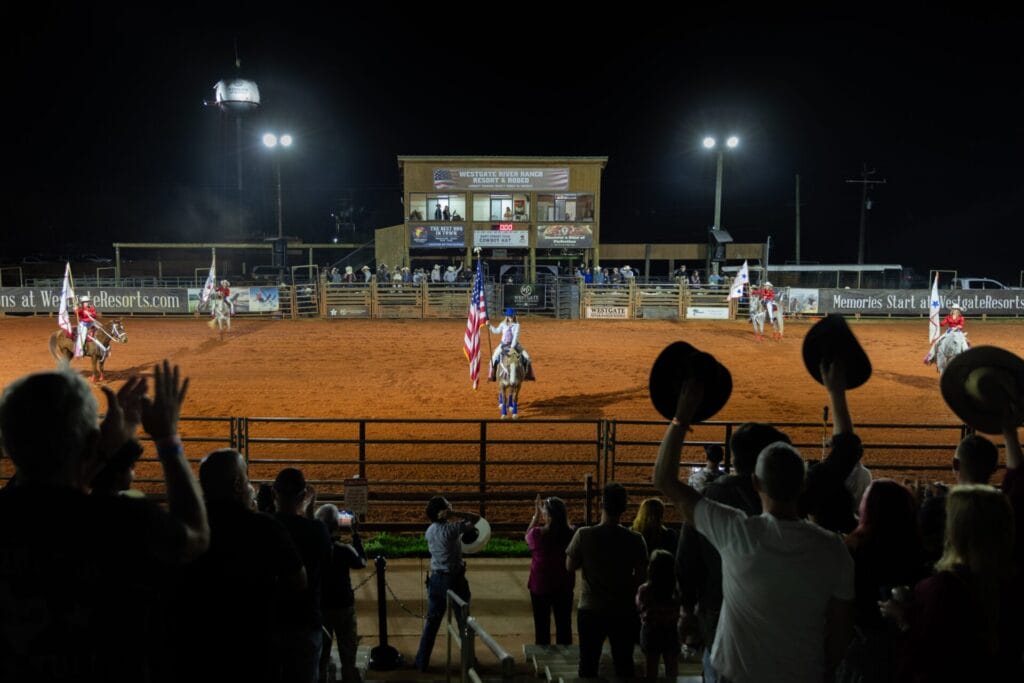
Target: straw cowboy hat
x: 451, y: 269
x: 365, y: 268
x: 954, y: 307
x: 348, y: 269
x: 831, y: 338
x: 225, y: 283
x: 678, y: 362
x: 86, y: 299
x: 981, y: 384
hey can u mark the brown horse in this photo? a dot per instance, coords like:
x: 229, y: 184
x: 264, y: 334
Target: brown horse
x: 62, y: 347
x: 511, y: 373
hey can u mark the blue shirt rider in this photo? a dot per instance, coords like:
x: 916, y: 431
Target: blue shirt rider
x: 509, y: 331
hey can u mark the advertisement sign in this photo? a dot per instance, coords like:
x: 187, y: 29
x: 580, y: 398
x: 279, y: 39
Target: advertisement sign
x: 915, y: 301
x: 506, y: 179
x: 707, y: 312
x: 560, y: 236
x: 106, y: 299
x: 437, y: 236
x: 526, y: 296
x: 608, y: 312
x: 245, y: 299
x: 799, y: 301
x: 357, y: 496
x: 506, y: 239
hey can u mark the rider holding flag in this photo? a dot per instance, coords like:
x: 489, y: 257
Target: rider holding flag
x: 955, y: 319
x: 87, y: 318
x: 225, y: 293
x: 509, y: 331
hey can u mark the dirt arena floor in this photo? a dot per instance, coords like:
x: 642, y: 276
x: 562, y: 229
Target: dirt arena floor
x: 587, y: 370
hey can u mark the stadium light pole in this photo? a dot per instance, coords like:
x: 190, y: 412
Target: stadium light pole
x: 711, y: 143
x: 271, y: 142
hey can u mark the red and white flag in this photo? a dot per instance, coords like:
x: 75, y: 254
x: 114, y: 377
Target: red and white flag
x: 477, y: 319
x: 67, y: 292
x: 934, y: 304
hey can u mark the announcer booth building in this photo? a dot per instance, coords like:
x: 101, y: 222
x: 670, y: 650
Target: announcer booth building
x: 517, y: 210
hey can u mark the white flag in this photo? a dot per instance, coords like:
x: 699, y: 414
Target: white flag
x: 211, y: 283
x: 934, y: 304
x: 742, y: 279
x: 66, y: 292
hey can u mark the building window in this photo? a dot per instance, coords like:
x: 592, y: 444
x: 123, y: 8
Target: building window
x: 565, y: 207
x: 501, y: 207
x: 437, y: 207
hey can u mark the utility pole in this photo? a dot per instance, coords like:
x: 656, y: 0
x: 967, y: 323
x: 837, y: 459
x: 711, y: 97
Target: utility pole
x: 865, y: 204
x: 798, y: 219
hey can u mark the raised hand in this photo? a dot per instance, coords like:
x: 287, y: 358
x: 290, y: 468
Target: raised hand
x: 160, y: 414
x: 124, y: 412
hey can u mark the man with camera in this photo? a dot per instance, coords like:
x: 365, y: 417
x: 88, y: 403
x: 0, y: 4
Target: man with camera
x: 338, y: 599
x: 444, y: 536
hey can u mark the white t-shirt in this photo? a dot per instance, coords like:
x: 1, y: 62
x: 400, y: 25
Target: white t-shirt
x: 777, y: 578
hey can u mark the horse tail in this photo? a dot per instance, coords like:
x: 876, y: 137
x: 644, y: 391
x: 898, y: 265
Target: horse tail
x: 61, y: 358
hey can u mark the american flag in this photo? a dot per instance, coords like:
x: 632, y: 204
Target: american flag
x: 477, y: 319
x: 443, y: 179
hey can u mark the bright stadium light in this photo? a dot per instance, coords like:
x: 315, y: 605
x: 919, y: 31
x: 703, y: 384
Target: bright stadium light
x: 709, y: 142
x: 270, y: 140
x: 732, y: 141
x: 286, y: 140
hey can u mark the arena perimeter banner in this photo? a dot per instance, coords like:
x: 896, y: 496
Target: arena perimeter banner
x: 132, y: 299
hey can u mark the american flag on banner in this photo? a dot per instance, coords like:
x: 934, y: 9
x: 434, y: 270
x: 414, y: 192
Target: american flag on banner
x: 443, y: 179
x: 477, y: 319
x: 211, y: 284
x: 742, y: 278
x: 67, y: 292
x: 934, y: 304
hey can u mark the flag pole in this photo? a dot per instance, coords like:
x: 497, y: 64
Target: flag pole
x: 483, y: 293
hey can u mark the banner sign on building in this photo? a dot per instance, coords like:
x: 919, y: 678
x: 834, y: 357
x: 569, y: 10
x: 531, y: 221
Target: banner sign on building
x: 437, y: 236
x: 561, y: 236
x: 916, y: 301
x: 507, y: 239
x: 506, y: 179
x: 526, y: 296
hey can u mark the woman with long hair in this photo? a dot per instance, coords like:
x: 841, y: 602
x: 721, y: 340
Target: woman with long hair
x: 648, y: 524
x: 551, y: 584
x: 963, y: 622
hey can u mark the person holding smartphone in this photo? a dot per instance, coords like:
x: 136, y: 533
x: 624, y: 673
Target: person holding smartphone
x: 337, y: 599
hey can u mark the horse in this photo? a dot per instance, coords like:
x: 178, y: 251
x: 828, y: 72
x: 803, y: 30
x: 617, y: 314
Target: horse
x: 62, y: 347
x: 510, y: 378
x: 221, y: 312
x: 776, y: 318
x: 757, y: 314
x: 947, y: 347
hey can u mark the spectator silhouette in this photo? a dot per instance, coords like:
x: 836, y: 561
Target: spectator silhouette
x: 338, y: 599
x: 79, y: 605
x: 613, y: 562
x: 550, y: 583
x: 649, y: 524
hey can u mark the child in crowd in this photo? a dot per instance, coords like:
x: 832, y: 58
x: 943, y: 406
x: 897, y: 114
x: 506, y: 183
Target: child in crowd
x: 658, y: 603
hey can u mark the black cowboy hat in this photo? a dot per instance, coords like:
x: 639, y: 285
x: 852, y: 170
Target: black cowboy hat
x: 978, y: 385
x: 831, y: 339
x: 678, y: 362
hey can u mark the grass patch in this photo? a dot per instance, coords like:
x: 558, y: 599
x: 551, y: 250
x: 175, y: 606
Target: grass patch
x: 398, y: 545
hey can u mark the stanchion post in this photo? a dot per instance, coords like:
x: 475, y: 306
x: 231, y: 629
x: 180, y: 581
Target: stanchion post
x: 383, y: 657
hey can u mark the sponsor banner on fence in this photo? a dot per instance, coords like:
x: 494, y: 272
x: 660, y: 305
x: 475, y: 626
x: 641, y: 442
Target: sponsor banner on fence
x: 608, y: 312
x: 799, y: 300
x: 508, y: 239
x: 707, y: 312
x: 106, y: 299
x: 558, y: 236
x: 246, y: 299
x: 526, y: 296
x: 437, y: 236
x: 501, y: 178
x: 915, y: 301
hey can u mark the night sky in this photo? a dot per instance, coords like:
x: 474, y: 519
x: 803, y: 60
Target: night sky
x: 110, y: 139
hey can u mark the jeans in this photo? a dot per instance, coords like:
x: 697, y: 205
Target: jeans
x: 621, y: 631
x: 438, y: 585
x: 543, y: 606
x: 340, y: 624
x: 710, y: 675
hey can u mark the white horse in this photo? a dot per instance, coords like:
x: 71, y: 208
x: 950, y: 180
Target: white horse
x: 757, y: 314
x: 221, y: 314
x: 947, y: 347
x: 776, y: 318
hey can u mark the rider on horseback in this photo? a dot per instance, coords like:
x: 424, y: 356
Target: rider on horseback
x: 225, y: 293
x: 509, y: 331
x: 87, y: 318
x: 954, y: 321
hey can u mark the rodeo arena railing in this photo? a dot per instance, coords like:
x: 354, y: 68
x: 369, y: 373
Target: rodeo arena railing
x: 496, y: 467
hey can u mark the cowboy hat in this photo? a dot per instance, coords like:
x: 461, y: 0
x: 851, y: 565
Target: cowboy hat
x: 451, y: 268
x: 980, y: 383
x: 831, y: 339
x: 954, y: 307
x: 768, y: 284
x: 678, y: 362
x: 86, y: 299
x: 348, y: 269
x: 225, y: 283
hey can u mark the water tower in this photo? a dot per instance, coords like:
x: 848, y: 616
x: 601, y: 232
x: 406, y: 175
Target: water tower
x: 237, y: 97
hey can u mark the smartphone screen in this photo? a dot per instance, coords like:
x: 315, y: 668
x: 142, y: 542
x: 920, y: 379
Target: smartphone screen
x: 344, y: 518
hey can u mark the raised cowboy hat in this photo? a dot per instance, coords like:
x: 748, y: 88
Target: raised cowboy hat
x: 678, y: 362
x: 831, y: 338
x: 980, y: 383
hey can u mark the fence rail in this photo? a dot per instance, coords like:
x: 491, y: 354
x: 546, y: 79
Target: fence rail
x: 497, y: 467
